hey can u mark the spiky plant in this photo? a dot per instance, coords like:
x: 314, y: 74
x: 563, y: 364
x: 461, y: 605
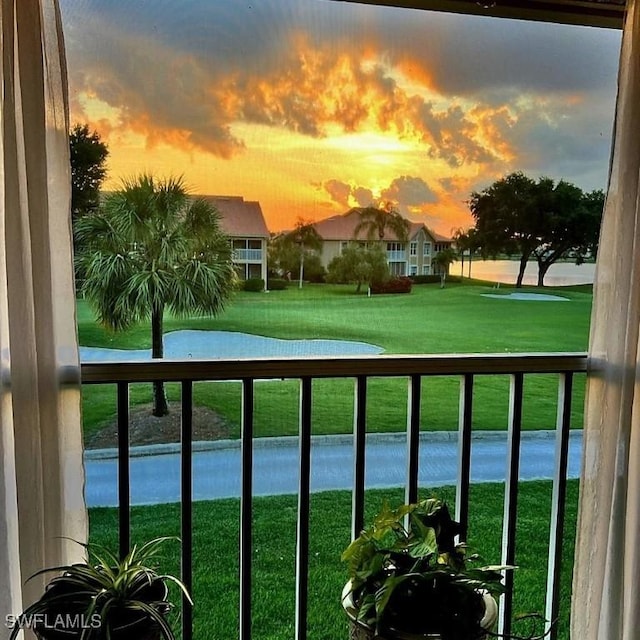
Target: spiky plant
x: 105, y: 598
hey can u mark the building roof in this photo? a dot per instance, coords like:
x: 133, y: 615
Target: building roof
x: 239, y: 217
x: 341, y: 227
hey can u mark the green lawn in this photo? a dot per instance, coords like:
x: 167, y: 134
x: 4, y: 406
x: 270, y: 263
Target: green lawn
x: 457, y: 319
x: 216, y: 530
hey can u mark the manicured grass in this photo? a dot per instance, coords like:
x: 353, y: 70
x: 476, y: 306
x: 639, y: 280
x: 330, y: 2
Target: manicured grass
x: 457, y: 319
x: 216, y: 531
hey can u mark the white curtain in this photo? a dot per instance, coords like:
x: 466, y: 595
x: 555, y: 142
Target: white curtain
x: 41, y: 472
x: 606, y: 587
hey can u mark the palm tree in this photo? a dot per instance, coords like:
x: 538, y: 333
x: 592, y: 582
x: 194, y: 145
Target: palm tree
x: 443, y: 259
x: 306, y: 239
x: 375, y: 222
x: 152, y: 247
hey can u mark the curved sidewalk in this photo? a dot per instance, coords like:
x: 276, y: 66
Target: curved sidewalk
x: 155, y: 470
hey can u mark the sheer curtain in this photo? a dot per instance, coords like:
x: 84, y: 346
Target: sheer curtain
x: 606, y: 591
x: 41, y: 472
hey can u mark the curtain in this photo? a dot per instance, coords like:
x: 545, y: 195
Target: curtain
x: 41, y: 472
x: 606, y: 586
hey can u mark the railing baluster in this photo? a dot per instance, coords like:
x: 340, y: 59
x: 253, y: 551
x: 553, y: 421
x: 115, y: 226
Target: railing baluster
x: 359, y: 445
x: 465, y: 424
x: 413, y: 439
x: 302, y: 546
x: 511, y: 497
x: 558, y: 502
x: 186, y: 503
x: 246, y: 508
x: 124, y: 480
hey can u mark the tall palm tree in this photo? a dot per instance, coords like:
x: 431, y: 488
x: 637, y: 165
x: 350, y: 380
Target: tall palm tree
x: 152, y: 247
x: 375, y: 222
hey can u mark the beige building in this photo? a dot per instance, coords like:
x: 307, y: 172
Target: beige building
x: 410, y: 258
x: 243, y: 221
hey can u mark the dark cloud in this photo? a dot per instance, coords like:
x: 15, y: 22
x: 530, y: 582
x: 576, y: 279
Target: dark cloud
x: 409, y: 191
x: 471, y: 89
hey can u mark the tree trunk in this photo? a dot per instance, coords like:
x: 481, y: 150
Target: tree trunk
x: 462, y: 265
x: 160, y: 406
x: 543, y: 267
x: 523, y: 266
x: 301, y: 268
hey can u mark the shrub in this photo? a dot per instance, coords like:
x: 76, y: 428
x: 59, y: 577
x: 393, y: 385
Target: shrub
x: 277, y: 284
x: 395, y: 285
x: 253, y: 284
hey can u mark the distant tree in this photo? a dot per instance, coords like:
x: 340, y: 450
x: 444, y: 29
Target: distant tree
x: 359, y: 264
x: 376, y: 222
x: 464, y: 241
x: 297, y: 251
x: 443, y: 260
x: 88, y: 156
x: 541, y: 220
x: 305, y: 237
x: 151, y: 247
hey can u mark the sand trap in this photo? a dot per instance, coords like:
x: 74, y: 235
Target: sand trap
x: 230, y: 344
x: 544, y: 297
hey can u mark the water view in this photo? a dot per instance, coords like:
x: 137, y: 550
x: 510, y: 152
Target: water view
x: 559, y: 274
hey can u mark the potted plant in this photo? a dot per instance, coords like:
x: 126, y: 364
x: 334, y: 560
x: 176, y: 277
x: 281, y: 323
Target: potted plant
x: 105, y: 598
x: 409, y: 580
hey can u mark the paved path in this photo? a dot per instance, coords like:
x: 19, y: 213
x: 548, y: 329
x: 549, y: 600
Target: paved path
x: 155, y: 471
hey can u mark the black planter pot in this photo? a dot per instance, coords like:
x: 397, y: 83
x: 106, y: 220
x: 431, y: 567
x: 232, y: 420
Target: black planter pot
x: 486, y: 620
x: 68, y: 620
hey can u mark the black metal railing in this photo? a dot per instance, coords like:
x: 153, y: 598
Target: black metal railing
x: 361, y: 369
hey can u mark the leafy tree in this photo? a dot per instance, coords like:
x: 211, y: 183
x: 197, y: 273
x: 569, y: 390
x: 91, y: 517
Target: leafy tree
x: 375, y: 222
x: 507, y: 219
x: 88, y: 159
x: 443, y: 260
x: 359, y: 264
x: 297, y: 250
x: 149, y: 248
x: 541, y: 220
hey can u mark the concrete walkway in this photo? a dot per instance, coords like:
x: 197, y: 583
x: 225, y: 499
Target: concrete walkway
x: 155, y: 470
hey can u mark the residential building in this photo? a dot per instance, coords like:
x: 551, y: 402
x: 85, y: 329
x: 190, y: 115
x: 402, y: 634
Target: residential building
x: 243, y: 221
x: 406, y: 258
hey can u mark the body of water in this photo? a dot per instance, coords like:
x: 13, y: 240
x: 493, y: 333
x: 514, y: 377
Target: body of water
x: 559, y: 274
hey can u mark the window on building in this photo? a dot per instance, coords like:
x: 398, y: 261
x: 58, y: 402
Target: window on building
x: 426, y: 249
x: 413, y: 249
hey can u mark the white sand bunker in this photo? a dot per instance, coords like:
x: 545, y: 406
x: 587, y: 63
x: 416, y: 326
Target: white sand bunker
x: 231, y: 344
x: 526, y: 296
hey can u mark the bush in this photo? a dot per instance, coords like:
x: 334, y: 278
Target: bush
x: 277, y: 284
x: 253, y: 284
x: 395, y: 285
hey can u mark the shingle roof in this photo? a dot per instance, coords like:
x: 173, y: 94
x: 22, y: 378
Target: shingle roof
x: 239, y: 217
x: 342, y: 226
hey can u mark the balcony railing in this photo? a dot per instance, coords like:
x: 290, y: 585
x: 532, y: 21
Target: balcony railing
x: 247, y: 255
x: 396, y: 256
x: 413, y: 368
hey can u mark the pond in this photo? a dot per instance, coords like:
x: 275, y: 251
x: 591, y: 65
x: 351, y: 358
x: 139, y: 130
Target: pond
x: 560, y: 274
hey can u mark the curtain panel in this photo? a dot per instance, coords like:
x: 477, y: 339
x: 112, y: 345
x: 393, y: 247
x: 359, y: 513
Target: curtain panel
x: 606, y: 586
x: 41, y: 472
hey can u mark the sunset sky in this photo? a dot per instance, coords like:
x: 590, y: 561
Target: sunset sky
x: 314, y: 106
